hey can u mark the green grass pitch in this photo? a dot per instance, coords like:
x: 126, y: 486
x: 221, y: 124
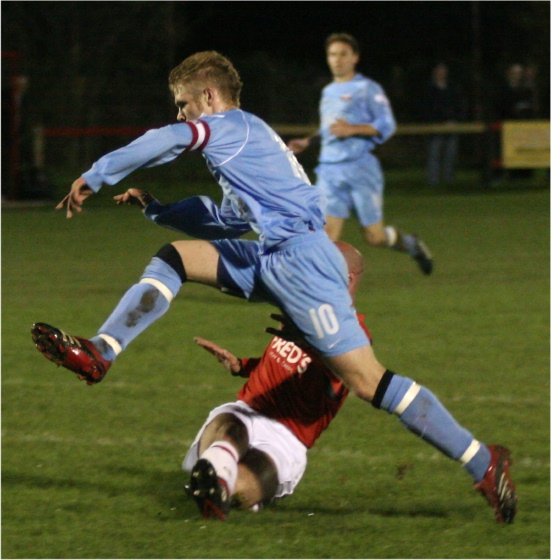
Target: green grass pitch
x: 94, y: 472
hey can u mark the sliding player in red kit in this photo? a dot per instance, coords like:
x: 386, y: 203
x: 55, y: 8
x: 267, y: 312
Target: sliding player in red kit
x: 252, y: 451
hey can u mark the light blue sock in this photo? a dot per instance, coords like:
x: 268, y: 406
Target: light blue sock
x: 140, y: 307
x: 423, y: 414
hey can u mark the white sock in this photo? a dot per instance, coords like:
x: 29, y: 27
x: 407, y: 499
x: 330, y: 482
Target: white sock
x: 224, y: 457
x: 391, y: 235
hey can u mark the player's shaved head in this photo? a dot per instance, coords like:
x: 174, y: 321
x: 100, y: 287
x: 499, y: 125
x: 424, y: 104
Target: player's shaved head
x: 353, y: 257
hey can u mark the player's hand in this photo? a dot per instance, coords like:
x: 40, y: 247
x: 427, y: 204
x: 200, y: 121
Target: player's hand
x: 79, y: 192
x: 136, y: 197
x: 298, y: 145
x: 342, y: 129
x: 227, y: 359
x: 287, y: 329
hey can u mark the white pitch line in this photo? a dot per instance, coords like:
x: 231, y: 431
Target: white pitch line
x: 346, y: 453
x: 9, y: 437
x: 526, y: 462
x: 505, y: 399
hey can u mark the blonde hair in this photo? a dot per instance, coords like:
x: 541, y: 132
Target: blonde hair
x: 208, y: 68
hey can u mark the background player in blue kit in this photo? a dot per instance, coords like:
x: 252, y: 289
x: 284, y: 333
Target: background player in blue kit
x: 356, y: 117
x: 293, y: 265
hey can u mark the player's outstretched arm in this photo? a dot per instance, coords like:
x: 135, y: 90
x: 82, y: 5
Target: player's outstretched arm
x: 227, y: 359
x: 196, y: 216
x: 79, y: 192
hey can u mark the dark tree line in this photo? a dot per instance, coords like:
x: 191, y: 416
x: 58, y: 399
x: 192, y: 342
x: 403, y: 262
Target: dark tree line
x: 106, y: 63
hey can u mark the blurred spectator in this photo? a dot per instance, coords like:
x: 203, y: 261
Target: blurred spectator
x: 21, y: 179
x: 532, y: 85
x: 517, y: 99
x: 443, y: 102
x: 13, y: 89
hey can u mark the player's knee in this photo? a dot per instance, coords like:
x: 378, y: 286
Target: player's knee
x: 171, y: 256
x: 165, y: 272
x: 235, y: 431
x: 229, y: 428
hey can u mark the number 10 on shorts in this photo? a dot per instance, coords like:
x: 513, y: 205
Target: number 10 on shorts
x: 324, y: 320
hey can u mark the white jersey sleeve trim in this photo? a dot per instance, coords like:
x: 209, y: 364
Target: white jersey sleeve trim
x: 200, y: 135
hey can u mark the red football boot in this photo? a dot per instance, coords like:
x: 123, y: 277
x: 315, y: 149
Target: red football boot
x: 497, y: 486
x: 72, y: 352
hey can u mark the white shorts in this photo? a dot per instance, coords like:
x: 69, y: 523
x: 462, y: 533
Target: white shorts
x: 286, y: 451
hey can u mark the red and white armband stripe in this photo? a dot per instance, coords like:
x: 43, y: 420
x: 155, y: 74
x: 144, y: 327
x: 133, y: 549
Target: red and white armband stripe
x: 200, y: 134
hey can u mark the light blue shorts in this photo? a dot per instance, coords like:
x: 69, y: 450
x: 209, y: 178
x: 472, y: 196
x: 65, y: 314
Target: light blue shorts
x: 306, y: 277
x: 353, y: 186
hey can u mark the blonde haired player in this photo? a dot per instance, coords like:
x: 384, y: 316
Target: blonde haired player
x: 293, y: 264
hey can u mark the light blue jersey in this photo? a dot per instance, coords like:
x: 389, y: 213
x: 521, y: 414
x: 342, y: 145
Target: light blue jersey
x: 358, y: 101
x: 349, y: 175
x: 263, y: 184
x: 293, y: 265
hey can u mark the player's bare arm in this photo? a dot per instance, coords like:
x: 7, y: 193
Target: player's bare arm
x: 343, y: 129
x: 79, y: 192
x: 227, y: 359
